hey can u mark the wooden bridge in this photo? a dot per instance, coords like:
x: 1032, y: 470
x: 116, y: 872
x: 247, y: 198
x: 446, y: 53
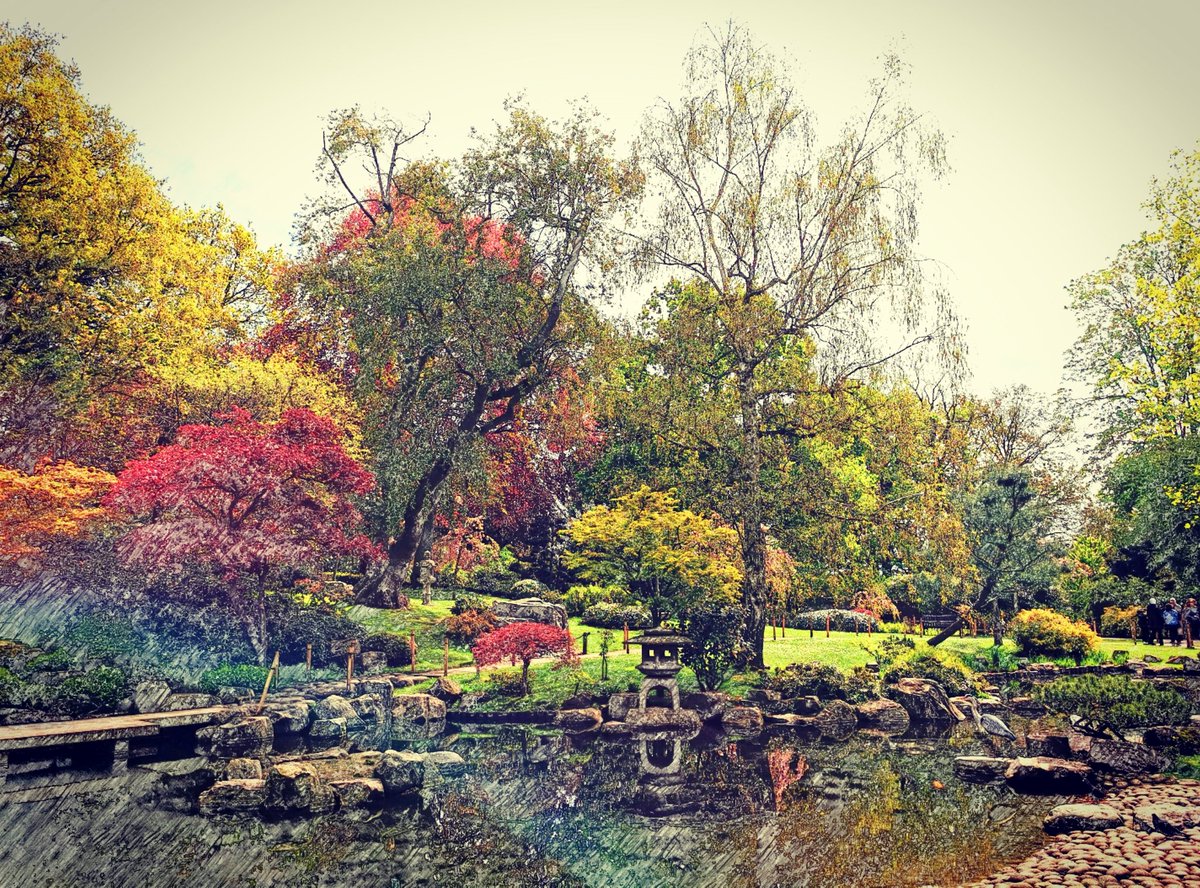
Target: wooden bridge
x: 90, y: 744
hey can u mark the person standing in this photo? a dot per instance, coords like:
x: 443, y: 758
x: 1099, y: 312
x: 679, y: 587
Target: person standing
x: 1191, y: 621
x: 1154, y: 622
x: 1170, y: 619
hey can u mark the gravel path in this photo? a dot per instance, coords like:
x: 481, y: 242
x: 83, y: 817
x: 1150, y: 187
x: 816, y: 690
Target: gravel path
x: 1132, y: 854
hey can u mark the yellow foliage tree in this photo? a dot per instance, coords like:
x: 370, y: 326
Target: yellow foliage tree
x: 56, y: 501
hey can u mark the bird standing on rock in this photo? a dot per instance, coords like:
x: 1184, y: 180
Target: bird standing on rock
x: 991, y: 724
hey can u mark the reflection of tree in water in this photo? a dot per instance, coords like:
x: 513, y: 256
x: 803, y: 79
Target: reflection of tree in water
x: 866, y: 812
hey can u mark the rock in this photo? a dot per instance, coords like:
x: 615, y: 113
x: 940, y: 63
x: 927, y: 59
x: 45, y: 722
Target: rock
x: 149, y: 696
x: 327, y: 732
x: 290, y: 718
x: 792, y: 720
x: 381, y: 687
x: 803, y: 705
x: 175, y: 702
x: 230, y: 696
x: 358, y: 792
x: 243, y: 769
x: 334, y: 706
x: 448, y: 763
x: 1073, y: 818
x: 417, y: 716
x: 249, y: 737
x: 922, y: 699
x: 1185, y: 741
x: 371, y: 662
x: 1165, y: 818
x: 1026, y: 706
x: 1191, y: 665
x: 1041, y: 775
x: 578, y: 720
x: 837, y: 719
x: 742, y: 718
x: 980, y: 768
x: 400, y: 772
x: 706, y: 704
x: 532, y: 610
x: 883, y: 715
x: 1048, y: 745
x: 763, y: 695
x: 233, y: 797
x: 447, y: 690
x: 295, y: 786
x: 658, y: 723
x: 619, y: 705
x: 1123, y: 757
x: 1151, y: 658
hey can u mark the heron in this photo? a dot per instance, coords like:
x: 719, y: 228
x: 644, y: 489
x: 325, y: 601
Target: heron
x: 990, y: 724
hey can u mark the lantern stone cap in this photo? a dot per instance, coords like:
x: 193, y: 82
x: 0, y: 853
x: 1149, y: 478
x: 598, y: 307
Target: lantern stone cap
x: 660, y: 636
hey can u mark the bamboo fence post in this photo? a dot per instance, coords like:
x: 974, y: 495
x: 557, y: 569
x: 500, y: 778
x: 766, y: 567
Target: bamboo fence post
x: 446, y: 656
x: 626, y: 641
x: 267, y: 684
x: 412, y: 652
x: 827, y: 625
x: 773, y: 638
x: 784, y: 623
x: 308, y: 660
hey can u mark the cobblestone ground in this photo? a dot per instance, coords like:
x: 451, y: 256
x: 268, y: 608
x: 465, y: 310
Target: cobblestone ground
x: 1132, y: 854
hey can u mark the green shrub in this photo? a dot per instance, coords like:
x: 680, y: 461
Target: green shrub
x: 1116, y: 699
x: 578, y: 599
x: 494, y: 579
x: 945, y: 668
x: 615, y: 616
x: 1042, y: 632
x: 291, y: 628
x: 11, y: 688
x: 105, y: 636
x: 809, y: 680
x: 241, y: 675
x: 101, y: 689
x: 465, y: 601
x: 715, y: 628
x: 506, y: 684
x: 993, y: 659
x: 392, y: 645
x: 839, y: 620
x: 528, y: 589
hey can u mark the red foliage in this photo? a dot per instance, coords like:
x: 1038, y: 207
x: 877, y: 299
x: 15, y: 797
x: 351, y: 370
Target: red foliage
x: 244, y: 497
x: 520, y: 641
x: 466, y: 628
x: 786, y: 767
x: 533, y: 464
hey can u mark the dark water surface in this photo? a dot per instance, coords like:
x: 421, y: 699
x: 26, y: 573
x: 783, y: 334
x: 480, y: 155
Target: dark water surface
x: 543, y: 809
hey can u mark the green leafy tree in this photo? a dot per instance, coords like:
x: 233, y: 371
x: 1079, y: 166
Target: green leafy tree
x: 789, y: 246
x: 448, y: 294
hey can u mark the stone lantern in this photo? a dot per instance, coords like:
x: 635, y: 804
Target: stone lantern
x: 660, y: 665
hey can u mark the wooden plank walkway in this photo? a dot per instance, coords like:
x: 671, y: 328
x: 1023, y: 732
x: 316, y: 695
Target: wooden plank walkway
x: 117, y: 727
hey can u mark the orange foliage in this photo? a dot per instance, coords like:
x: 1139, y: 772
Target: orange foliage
x: 57, y: 501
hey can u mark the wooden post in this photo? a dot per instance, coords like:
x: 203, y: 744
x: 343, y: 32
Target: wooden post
x: 267, y: 684
x: 308, y: 660
x: 785, y: 623
x: 773, y: 638
x: 856, y: 626
x: 922, y: 627
x: 349, y: 670
x: 445, y: 656
x: 827, y: 625
x: 868, y: 627
x: 412, y: 652
x: 626, y: 642
x: 584, y: 637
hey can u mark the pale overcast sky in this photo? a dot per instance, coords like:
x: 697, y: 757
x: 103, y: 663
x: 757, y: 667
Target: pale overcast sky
x: 1058, y: 113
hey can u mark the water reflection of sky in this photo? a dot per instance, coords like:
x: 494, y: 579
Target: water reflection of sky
x: 869, y: 811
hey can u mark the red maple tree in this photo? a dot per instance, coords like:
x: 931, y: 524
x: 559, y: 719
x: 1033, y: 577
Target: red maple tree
x: 242, y: 499
x: 520, y: 641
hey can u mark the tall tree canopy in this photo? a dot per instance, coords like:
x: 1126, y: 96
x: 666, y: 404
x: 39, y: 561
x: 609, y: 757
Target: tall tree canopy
x: 448, y: 295
x: 791, y: 247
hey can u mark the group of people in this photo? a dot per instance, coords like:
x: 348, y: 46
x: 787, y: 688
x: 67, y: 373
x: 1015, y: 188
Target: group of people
x: 1169, y: 621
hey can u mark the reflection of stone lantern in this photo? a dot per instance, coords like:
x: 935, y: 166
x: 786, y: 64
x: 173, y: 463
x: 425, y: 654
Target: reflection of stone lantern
x: 660, y: 665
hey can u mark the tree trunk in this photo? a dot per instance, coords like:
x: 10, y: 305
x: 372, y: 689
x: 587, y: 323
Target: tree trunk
x: 946, y: 633
x: 997, y: 629
x: 755, y: 594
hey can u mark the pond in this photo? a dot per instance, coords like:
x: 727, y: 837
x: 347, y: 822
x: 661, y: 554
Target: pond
x: 543, y: 808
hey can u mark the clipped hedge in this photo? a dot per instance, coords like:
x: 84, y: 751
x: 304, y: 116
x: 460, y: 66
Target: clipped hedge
x: 839, y: 620
x: 392, y: 645
x: 241, y: 675
x: 615, y: 616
